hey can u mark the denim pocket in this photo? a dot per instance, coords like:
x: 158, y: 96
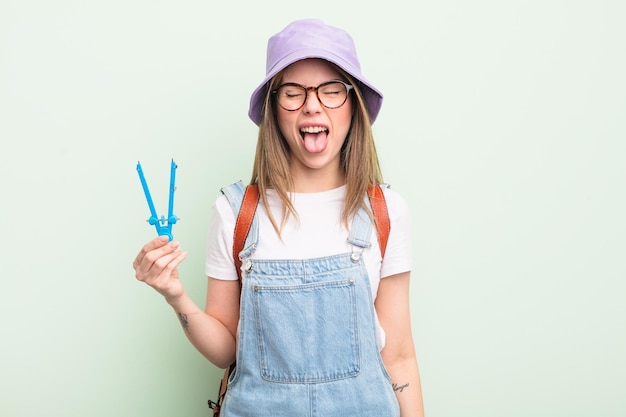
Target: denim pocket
x: 307, y: 333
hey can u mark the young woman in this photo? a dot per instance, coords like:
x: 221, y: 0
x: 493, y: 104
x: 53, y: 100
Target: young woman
x: 321, y: 323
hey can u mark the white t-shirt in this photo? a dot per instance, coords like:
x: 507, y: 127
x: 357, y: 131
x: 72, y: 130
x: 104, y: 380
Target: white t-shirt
x: 317, y: 232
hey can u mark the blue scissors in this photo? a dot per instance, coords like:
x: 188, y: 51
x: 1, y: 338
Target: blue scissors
x: 162, y: 225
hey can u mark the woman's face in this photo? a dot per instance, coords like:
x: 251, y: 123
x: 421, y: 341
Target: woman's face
x: 315, y: 133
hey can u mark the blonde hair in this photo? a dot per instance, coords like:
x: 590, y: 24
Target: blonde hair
x: 358, y: 160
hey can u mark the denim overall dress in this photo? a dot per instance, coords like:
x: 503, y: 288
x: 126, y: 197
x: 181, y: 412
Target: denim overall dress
x: 307, y: 344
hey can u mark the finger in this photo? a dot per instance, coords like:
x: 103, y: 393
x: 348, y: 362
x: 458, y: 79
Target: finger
x: 165, y: 269
x: 146, y: 260
x: 158, y: 260
x: 155, y: 243
x: 170, y: 267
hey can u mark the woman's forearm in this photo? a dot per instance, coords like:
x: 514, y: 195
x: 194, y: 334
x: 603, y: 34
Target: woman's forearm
x: 406, y: 384
x: 209, y: 336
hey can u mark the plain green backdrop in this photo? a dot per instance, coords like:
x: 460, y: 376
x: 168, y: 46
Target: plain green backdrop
x: 503, y: 126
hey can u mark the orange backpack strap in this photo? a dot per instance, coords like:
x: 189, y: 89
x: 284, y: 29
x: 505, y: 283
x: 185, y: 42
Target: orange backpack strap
x: 217, y: 406
x: 243, y: 223
x: 381, y: 215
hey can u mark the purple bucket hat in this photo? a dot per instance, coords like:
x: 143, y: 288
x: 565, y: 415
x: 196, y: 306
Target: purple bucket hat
x: 312, y: 38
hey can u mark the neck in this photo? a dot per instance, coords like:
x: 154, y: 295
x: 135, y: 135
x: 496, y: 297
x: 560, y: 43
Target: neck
x: 314, y: 181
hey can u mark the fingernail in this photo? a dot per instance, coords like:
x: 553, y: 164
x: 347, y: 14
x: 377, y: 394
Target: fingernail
x: 174, y: 245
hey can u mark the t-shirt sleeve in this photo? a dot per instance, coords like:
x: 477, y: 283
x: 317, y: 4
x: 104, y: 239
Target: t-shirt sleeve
x: 399, y: 252
x: 219, y: 263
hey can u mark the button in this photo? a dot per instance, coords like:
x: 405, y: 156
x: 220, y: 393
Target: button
x: 355, y: 257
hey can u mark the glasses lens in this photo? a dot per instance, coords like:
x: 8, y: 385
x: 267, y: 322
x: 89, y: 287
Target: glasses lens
x: 291, y: 97
x: 332, y: 94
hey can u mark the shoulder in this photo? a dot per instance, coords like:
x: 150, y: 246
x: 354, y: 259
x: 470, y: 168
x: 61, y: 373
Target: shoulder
x: 396, y: 203
x: 223, y: 210
x: 222, y: 204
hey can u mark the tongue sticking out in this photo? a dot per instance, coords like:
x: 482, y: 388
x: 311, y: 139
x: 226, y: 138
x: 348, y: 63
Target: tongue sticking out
x: 315, y: 142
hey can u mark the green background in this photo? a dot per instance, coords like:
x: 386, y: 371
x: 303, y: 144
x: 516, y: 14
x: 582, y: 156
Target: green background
x: 503, y: 126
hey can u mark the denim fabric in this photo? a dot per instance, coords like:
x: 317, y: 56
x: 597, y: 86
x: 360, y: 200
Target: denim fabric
x: 307, y: 344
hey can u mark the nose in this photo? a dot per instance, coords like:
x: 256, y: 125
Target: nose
x: 312, y: 103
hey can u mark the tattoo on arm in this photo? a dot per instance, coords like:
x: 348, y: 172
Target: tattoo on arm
x: 400, y: 388
x: 183, y: 320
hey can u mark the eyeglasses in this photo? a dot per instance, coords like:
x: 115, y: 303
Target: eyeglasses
x: 331, y: 94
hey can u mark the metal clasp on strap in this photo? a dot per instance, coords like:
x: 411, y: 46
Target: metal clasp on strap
x: 355, y: 256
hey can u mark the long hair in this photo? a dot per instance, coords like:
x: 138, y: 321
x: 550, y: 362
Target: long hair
x: 358, y: 159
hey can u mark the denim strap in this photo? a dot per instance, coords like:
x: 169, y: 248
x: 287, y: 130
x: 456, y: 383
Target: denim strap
x: 234, y: 194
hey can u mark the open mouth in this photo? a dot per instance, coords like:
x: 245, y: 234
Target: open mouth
x: 313, y: 130
x: 315, y: 138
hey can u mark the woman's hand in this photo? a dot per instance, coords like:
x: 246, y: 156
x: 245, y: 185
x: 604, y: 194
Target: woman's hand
x: 156, y: 265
